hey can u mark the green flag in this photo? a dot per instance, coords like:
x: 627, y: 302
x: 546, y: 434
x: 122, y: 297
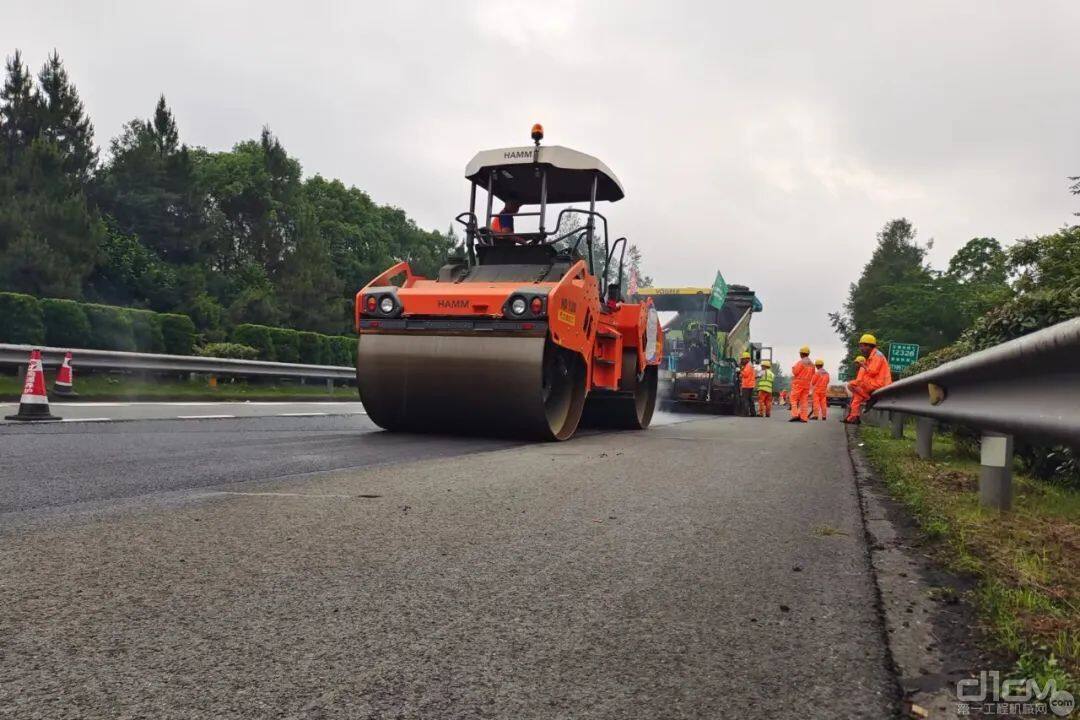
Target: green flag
x: 719, y: 292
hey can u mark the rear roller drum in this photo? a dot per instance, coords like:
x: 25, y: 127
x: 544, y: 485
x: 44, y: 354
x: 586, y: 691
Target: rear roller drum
x: 631, y: 408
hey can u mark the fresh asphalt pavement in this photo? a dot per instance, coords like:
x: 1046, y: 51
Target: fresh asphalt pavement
x: 312, y: 567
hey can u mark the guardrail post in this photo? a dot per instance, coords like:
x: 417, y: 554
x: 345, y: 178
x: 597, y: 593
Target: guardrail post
x: 924, y: 437
x: 995, y: 475
x: 896, y: 424
x: 330, y: 385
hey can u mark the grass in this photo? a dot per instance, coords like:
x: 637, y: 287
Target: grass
x: 130, y: 387
x: 1026, y: 563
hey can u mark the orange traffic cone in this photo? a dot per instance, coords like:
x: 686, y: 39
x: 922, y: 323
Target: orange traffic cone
x: 34, y: 403
x: 64, y: 386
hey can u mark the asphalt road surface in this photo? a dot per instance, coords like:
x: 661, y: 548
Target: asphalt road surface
x: 314, y: 568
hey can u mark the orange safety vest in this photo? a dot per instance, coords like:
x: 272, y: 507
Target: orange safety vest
x: 749, y: 380
x: 820, y: 382
x: 802, y: 372
x: 878, y: 374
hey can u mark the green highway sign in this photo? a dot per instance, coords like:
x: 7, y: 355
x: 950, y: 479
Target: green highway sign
x: 901, y: 355
x: 719, y: 292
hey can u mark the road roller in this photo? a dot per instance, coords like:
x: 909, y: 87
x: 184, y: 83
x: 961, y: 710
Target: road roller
x: 525, y: 331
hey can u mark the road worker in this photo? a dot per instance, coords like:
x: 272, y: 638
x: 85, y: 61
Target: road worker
x: 764, y: 389
x: 747, y: 382
x: 874, y: 375
x: 783, y: 398
x: 503, y: 223
x: 801, y: 374
x: 819, y: 389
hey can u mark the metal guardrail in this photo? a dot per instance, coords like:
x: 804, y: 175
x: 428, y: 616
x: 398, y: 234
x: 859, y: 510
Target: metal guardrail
x: 1028, y: 387
x: 112, y: 360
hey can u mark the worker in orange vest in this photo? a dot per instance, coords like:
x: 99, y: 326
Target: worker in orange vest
x: 783, y: 397
x: 801, y: 374
x: 874, y: 375
x: 747, y: 383
x: 503, y: 223
x: 819, y: 388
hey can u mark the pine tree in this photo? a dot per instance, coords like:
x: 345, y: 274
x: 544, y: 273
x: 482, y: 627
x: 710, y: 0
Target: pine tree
x: 20, y: 109
x: 64, y: 120
x: 163, y: 129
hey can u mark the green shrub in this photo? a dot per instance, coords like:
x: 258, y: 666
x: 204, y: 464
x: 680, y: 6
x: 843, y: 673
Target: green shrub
x: 256, y: 336
x: 178, y: 332
x: 146, y: 328
x: 110, y: 328
x: 286, y: 345
x: 66, y: 324
x: 229, y: 350
x: 344, y: 350
x: 311, y: 348
x: 21, y: 319
x: 326, y: 349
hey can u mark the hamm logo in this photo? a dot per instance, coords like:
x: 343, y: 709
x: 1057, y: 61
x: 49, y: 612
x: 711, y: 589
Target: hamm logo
x: 517, y: 154
x: 453, y: 303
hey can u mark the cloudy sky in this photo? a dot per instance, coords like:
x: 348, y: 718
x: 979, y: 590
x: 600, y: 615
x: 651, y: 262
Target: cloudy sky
x: 770, y: 140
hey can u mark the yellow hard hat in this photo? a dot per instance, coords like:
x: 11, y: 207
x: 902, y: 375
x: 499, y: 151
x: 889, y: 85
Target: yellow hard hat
x: 766, y: 363
x: 860, y: 359
x: 745, y: 356
x: 868, y: 339
x: 804, y: 350
x: 819, y: 362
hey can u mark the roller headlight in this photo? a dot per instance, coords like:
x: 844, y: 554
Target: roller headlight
x: 518, y: 306
x: 386, y: 305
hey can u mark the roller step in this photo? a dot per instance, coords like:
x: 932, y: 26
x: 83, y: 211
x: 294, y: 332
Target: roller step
x: 603, y: 361
x: 606, y: 334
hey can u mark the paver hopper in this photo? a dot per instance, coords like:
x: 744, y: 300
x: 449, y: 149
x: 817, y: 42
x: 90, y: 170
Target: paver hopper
x: 521, y: 333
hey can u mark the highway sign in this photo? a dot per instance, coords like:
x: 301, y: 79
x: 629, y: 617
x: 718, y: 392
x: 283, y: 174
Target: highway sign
x: 901, y: 355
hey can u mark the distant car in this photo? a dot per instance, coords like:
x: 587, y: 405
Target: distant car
x: 837, y: 395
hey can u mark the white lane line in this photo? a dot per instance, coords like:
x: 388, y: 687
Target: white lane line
x: 93, y: 404
x: 274, y: 494
x: 302, y: 414
x: 203, y: 417
x: 101, y: 419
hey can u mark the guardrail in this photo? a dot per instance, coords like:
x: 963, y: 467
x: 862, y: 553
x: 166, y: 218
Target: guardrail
x: 112, y: 360
x: 1028, y: 387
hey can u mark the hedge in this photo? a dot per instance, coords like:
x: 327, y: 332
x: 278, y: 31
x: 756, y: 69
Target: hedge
x: 146, y: 327
x: 229, y: 350
x: 21, y: 319
x: 286, y: 345
x: 311, y: 348
x: 110, y: 328
x: 27, y: 320
x: 66, y: 324
x: 344, y: 350
x: 178, y: 333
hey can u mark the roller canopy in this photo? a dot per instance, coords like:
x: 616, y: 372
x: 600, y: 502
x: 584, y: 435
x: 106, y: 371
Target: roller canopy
x: 569, y: 174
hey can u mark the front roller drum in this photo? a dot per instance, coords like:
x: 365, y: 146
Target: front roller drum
x: 632, y: 406
x: 464, y: 384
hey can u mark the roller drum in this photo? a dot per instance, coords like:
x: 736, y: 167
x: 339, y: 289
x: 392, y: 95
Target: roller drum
x: 524, y: 387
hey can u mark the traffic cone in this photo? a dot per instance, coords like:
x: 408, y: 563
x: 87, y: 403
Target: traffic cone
x: 64, y: 386
x: 34, y: 403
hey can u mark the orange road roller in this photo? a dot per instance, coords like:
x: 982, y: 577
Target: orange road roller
x: 525, y: 331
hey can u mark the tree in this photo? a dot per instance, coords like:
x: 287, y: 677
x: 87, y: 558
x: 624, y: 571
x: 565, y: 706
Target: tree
x: 49, y: 233
x: 308, y: 287
x: 20, y: 109
x: 875, y: 300
x: 64, y: 121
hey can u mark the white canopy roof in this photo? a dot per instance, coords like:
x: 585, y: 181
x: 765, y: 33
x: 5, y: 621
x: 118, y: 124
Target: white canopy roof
x: 569, y: 174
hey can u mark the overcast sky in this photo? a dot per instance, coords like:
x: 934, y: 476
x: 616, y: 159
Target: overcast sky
x: 769, y: 140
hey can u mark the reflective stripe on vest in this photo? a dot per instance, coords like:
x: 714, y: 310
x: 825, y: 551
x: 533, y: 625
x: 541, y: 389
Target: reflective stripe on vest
x: 764, y: 383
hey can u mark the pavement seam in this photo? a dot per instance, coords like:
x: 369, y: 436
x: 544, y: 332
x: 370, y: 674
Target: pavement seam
x: 879, y: 605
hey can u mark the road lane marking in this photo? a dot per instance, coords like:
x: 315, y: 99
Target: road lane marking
x: 101, y: 419
x: 277, y: 494
x: 303, y: 414
x: 203, y: 417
